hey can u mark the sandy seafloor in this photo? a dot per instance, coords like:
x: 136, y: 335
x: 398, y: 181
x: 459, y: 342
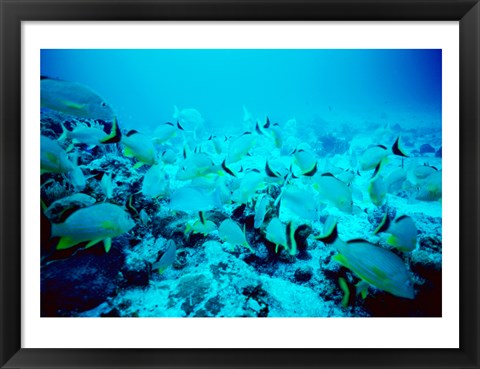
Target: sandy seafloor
x: 209, y: 278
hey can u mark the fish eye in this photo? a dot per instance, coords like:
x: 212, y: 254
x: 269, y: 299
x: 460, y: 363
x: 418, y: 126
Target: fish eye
x: 103, y: 104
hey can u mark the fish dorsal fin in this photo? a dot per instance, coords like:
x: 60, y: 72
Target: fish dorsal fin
x: 267, y: 123
x: 179, y: 126
x: 382, y: 146
x: 400, y: 218
x: 131, y: 132
x: 226, y: 169
x: 357, y: 240
x: 328, y: 174
x: 170, y: 124
x: 201, y: 214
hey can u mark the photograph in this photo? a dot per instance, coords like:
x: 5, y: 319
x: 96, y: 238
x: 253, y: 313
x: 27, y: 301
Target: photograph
x: 241, y: 183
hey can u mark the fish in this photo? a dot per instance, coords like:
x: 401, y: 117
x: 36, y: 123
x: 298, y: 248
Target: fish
x: 334, y: 191
x: 169, y: 156
x: 188, y: 119
x: 154, y: 183
x: 144, y: 218
x: 301, y: 202
x: 431, y: 187
x: 201, y: 225
x: 239, y: 147
x: 193, y: 199
x: 377, y: 189
x: 306, y: 161
x: 139, y: 147
x: 53, y: 159
x: 403, y: 232
x: 168, y: 258
x: 249, y: 184
x: 91, y: 135
x: 76, y: 176
x: 374, y: 155
x: 107, y: 185
x: 96, y: 223
x: 197, y: 165
x: 281, y: 235
x: 74, y: 98
x: 260, y: 210
x: 164, y: 132
x: 375, y: 265
x: 230, y: 232
x: 395, y: 180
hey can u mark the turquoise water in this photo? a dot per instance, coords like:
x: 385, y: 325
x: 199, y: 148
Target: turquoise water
x: 225, y: 183
x: 144, y: 85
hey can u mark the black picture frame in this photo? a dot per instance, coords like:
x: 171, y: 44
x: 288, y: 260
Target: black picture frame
x: 13, y: 12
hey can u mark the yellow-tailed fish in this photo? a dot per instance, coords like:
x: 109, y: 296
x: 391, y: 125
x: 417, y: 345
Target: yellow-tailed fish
x: 164, y: 132
x: 250, y: 183
x: 196, y: 165
x: 403, y: 232
x: 230, y: 232
x: 334, y: 191
x: 139, y: 147
x: 96, y: 223
x: 74, y: 99
x: 306, y: 161
x: 431, y: 187
x: 202, y: 226
x: 276, y: 233
x: 240, y: 147
x: 168, y: 258
x: 374, y: 155
x: 91, y: 135
x: 53, y: 159
x: 376, y: 188
x: 377, y: 266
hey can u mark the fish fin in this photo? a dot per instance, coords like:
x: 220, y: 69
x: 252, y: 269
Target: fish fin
x: 226, y: 169
x: 107, y: 243
x: 128, y: 152
x: 340, y: 259
x: 362, y: 288
x: 346, y: 291
x: 93, y: 242
x: 115, y: 134
x: 138, y: 165
x: 65, y: 243
x: 63, y: 136
x: 392, y: 241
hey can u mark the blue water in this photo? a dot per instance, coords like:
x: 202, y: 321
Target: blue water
x: 347, y: 86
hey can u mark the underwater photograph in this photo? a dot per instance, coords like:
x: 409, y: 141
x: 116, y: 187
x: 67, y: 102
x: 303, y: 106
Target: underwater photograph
x: 241, y: 183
